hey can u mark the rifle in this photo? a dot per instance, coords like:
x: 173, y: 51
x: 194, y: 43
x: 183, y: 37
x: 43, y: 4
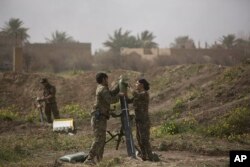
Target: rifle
x: 39, y: 107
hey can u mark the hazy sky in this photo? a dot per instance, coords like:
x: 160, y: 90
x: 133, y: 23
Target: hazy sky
x: 92, y: 20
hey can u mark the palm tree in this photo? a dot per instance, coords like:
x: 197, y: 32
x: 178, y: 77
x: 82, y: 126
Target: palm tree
x: 13, y: 28
x: 145, y: 40
x: 119, y: 40
x: 60, y: 37
x: 228, y: 41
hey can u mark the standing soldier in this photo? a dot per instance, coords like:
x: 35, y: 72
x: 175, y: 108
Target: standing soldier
x: 49, y: 97
x: 140, y: 102
x: 100, y: 114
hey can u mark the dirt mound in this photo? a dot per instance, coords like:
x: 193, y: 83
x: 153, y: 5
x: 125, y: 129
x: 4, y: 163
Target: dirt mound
x: 206, y: 92
x: 22, y: 89
x: 203, y: 89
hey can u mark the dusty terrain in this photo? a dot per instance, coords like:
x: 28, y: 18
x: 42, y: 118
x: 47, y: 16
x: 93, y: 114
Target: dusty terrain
x: 204, y: 93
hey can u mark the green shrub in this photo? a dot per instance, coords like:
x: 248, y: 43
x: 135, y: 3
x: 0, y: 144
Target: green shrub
x: 179, y: 106
x: 32, y: 117
x: 11, y: 152
x: 238, y: 122
x: 175, y: 127
x: 75, y: 111
x: 232, y: 73
x: 8, y: 114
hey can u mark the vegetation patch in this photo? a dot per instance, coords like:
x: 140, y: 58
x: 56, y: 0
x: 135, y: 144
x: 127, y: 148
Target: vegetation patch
x: 179, y: 106
x: 195, y: 142
x: 8, y: 114
x: 71, y: 73
x: 32, y: 117
x: 75, y: 111
x: 236, y: 123
x: 18, y: 148
x: 172, y: 127
x: 192, y: 70
x: 160, y: 83
x: 11, y: 151
x: 111, y: 162
x: 232, y: 73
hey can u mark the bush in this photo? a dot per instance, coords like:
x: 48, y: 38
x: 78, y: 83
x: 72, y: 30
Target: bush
x: 32, y: 117
x: 175, y: 127
x: 75, y: 111
x: 179, y: 106
x: 233, y: 73
x: 237, y: 123
x: 8, y: 114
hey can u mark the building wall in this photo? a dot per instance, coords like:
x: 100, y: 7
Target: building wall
x: 191, y: 56
x: 58, y: 57
x: 148, y: 54
x: 6, y: 40
x: 41, y: 56
x: 6, y: 50
x: 217, y: 56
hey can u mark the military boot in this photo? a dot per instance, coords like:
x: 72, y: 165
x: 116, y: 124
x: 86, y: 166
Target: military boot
x: 90, y: 162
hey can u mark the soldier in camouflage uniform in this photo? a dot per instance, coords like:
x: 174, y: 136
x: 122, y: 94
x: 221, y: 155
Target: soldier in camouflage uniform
x: 100, y: 114
x: 49, y: 97
x: 140, y: 102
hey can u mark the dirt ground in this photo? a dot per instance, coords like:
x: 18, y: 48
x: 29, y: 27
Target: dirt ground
x: 112, y: 157
x: 207, y: 92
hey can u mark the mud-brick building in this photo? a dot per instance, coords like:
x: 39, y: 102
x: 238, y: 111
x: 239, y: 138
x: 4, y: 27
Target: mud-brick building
x: 46, y: 57
x: 6, y: 47
x: 170, y: 56
x: 57, y: 57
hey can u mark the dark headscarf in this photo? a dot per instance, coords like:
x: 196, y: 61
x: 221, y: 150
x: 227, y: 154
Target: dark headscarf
x: 145, y: 84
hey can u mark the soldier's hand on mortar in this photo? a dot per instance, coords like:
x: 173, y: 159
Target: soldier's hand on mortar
x: 40, y: 98
x: 121, y: 94
x: 130, y: 89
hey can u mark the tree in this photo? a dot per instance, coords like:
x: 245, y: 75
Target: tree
x: 183, y: 42
x: 228, y: 41
x: 13, y: 28
x: 60, y: 37
x: 145, y: 40
x: 242, y: 43
x: 119, y: 40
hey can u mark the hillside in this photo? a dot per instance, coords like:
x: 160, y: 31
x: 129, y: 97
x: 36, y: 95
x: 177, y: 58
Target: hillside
x: 202, y: 103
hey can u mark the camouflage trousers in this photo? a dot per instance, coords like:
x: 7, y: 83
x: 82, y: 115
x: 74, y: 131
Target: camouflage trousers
x: 51, y: 108
x: 99, y: 129
x: 143, y: 135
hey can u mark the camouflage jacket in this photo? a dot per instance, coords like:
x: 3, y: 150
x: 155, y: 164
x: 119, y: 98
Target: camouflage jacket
x: 105, y: 97
x: 140, y: 103
x: 50, y: 90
